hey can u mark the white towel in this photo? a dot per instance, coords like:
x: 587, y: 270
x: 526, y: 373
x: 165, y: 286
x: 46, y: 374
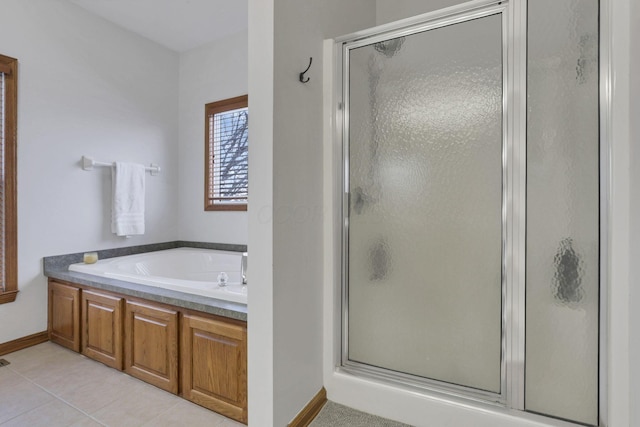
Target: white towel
x: 127, y: 209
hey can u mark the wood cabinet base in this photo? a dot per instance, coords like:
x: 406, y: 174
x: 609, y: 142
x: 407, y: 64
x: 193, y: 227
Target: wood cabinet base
x: 143, y: 337
x: 102, y: 328
x: 151, y: 345
x: 214, y: 365
x: 64, y: 315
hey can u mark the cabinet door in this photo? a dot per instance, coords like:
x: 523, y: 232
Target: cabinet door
x: 214, y: 365
x: 151, y: 345
x: 102, y: 328
x: 64, y: 315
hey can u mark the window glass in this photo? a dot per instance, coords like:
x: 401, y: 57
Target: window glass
x: 227, y: 154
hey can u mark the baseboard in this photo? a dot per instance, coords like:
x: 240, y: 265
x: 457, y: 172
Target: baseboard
x: 24, y: 342
x: 311, y: 410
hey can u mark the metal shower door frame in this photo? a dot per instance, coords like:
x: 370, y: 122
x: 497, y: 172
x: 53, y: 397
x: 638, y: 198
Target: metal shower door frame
x: 514, y: 14
x: 440, y: 19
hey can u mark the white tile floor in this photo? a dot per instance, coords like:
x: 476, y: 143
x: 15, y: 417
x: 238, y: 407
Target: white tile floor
x: 48, y: 385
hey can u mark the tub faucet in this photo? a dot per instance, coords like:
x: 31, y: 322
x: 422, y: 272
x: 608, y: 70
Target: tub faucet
x: 243, y: 267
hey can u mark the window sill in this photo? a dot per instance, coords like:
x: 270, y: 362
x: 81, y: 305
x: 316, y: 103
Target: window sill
x: 9, y: 296
x: 225, y: 208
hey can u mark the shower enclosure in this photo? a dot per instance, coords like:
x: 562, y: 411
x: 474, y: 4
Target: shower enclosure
x: 471, y: 209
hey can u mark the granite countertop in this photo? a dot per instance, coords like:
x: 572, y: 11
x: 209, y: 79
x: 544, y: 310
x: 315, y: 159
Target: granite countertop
x: 57, y: 267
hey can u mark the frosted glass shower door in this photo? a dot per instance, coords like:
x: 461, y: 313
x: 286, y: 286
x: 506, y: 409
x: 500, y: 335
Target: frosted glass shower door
x: 425, y: 183
x: 563, y: 248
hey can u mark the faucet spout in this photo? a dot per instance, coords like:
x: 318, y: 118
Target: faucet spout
x: 243, y: 267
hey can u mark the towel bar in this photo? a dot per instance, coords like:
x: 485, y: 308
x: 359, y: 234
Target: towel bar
x: 88, y: 163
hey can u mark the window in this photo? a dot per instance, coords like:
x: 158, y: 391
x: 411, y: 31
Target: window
x: 8, y: 205
x: 226, y: 155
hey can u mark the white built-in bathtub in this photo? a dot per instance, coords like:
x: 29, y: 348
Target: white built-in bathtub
x: 189, y: 270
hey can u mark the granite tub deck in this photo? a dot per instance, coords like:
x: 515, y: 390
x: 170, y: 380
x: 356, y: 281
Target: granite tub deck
x: 57, y: 267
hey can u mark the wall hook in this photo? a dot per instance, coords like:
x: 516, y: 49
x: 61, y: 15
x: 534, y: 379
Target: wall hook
x: 302, y: 79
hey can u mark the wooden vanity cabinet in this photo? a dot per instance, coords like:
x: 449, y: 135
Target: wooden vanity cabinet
x: 151, y: 345
x: 214, y: 364
x: 101, y: 316
x: 200, y: 356
x: 64, y: 315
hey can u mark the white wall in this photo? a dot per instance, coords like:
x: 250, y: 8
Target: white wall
x: 285, y: 218
x: 300, y: 28
x: 85, y: 87
x: 634, y: 235
x: 210, y: 73
x: 620, y: 201
x: 394, y: 10
x: 260, y: 274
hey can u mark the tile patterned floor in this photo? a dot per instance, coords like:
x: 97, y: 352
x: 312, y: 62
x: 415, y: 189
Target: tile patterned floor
x: 335, y: 415
x: 48, y: 385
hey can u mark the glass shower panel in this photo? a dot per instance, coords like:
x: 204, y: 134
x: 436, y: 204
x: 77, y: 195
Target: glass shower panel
x: 425, y: 212
x: 562, y: 292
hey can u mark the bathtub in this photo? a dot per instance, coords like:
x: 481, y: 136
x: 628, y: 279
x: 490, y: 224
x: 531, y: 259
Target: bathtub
x: 190, y: 270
